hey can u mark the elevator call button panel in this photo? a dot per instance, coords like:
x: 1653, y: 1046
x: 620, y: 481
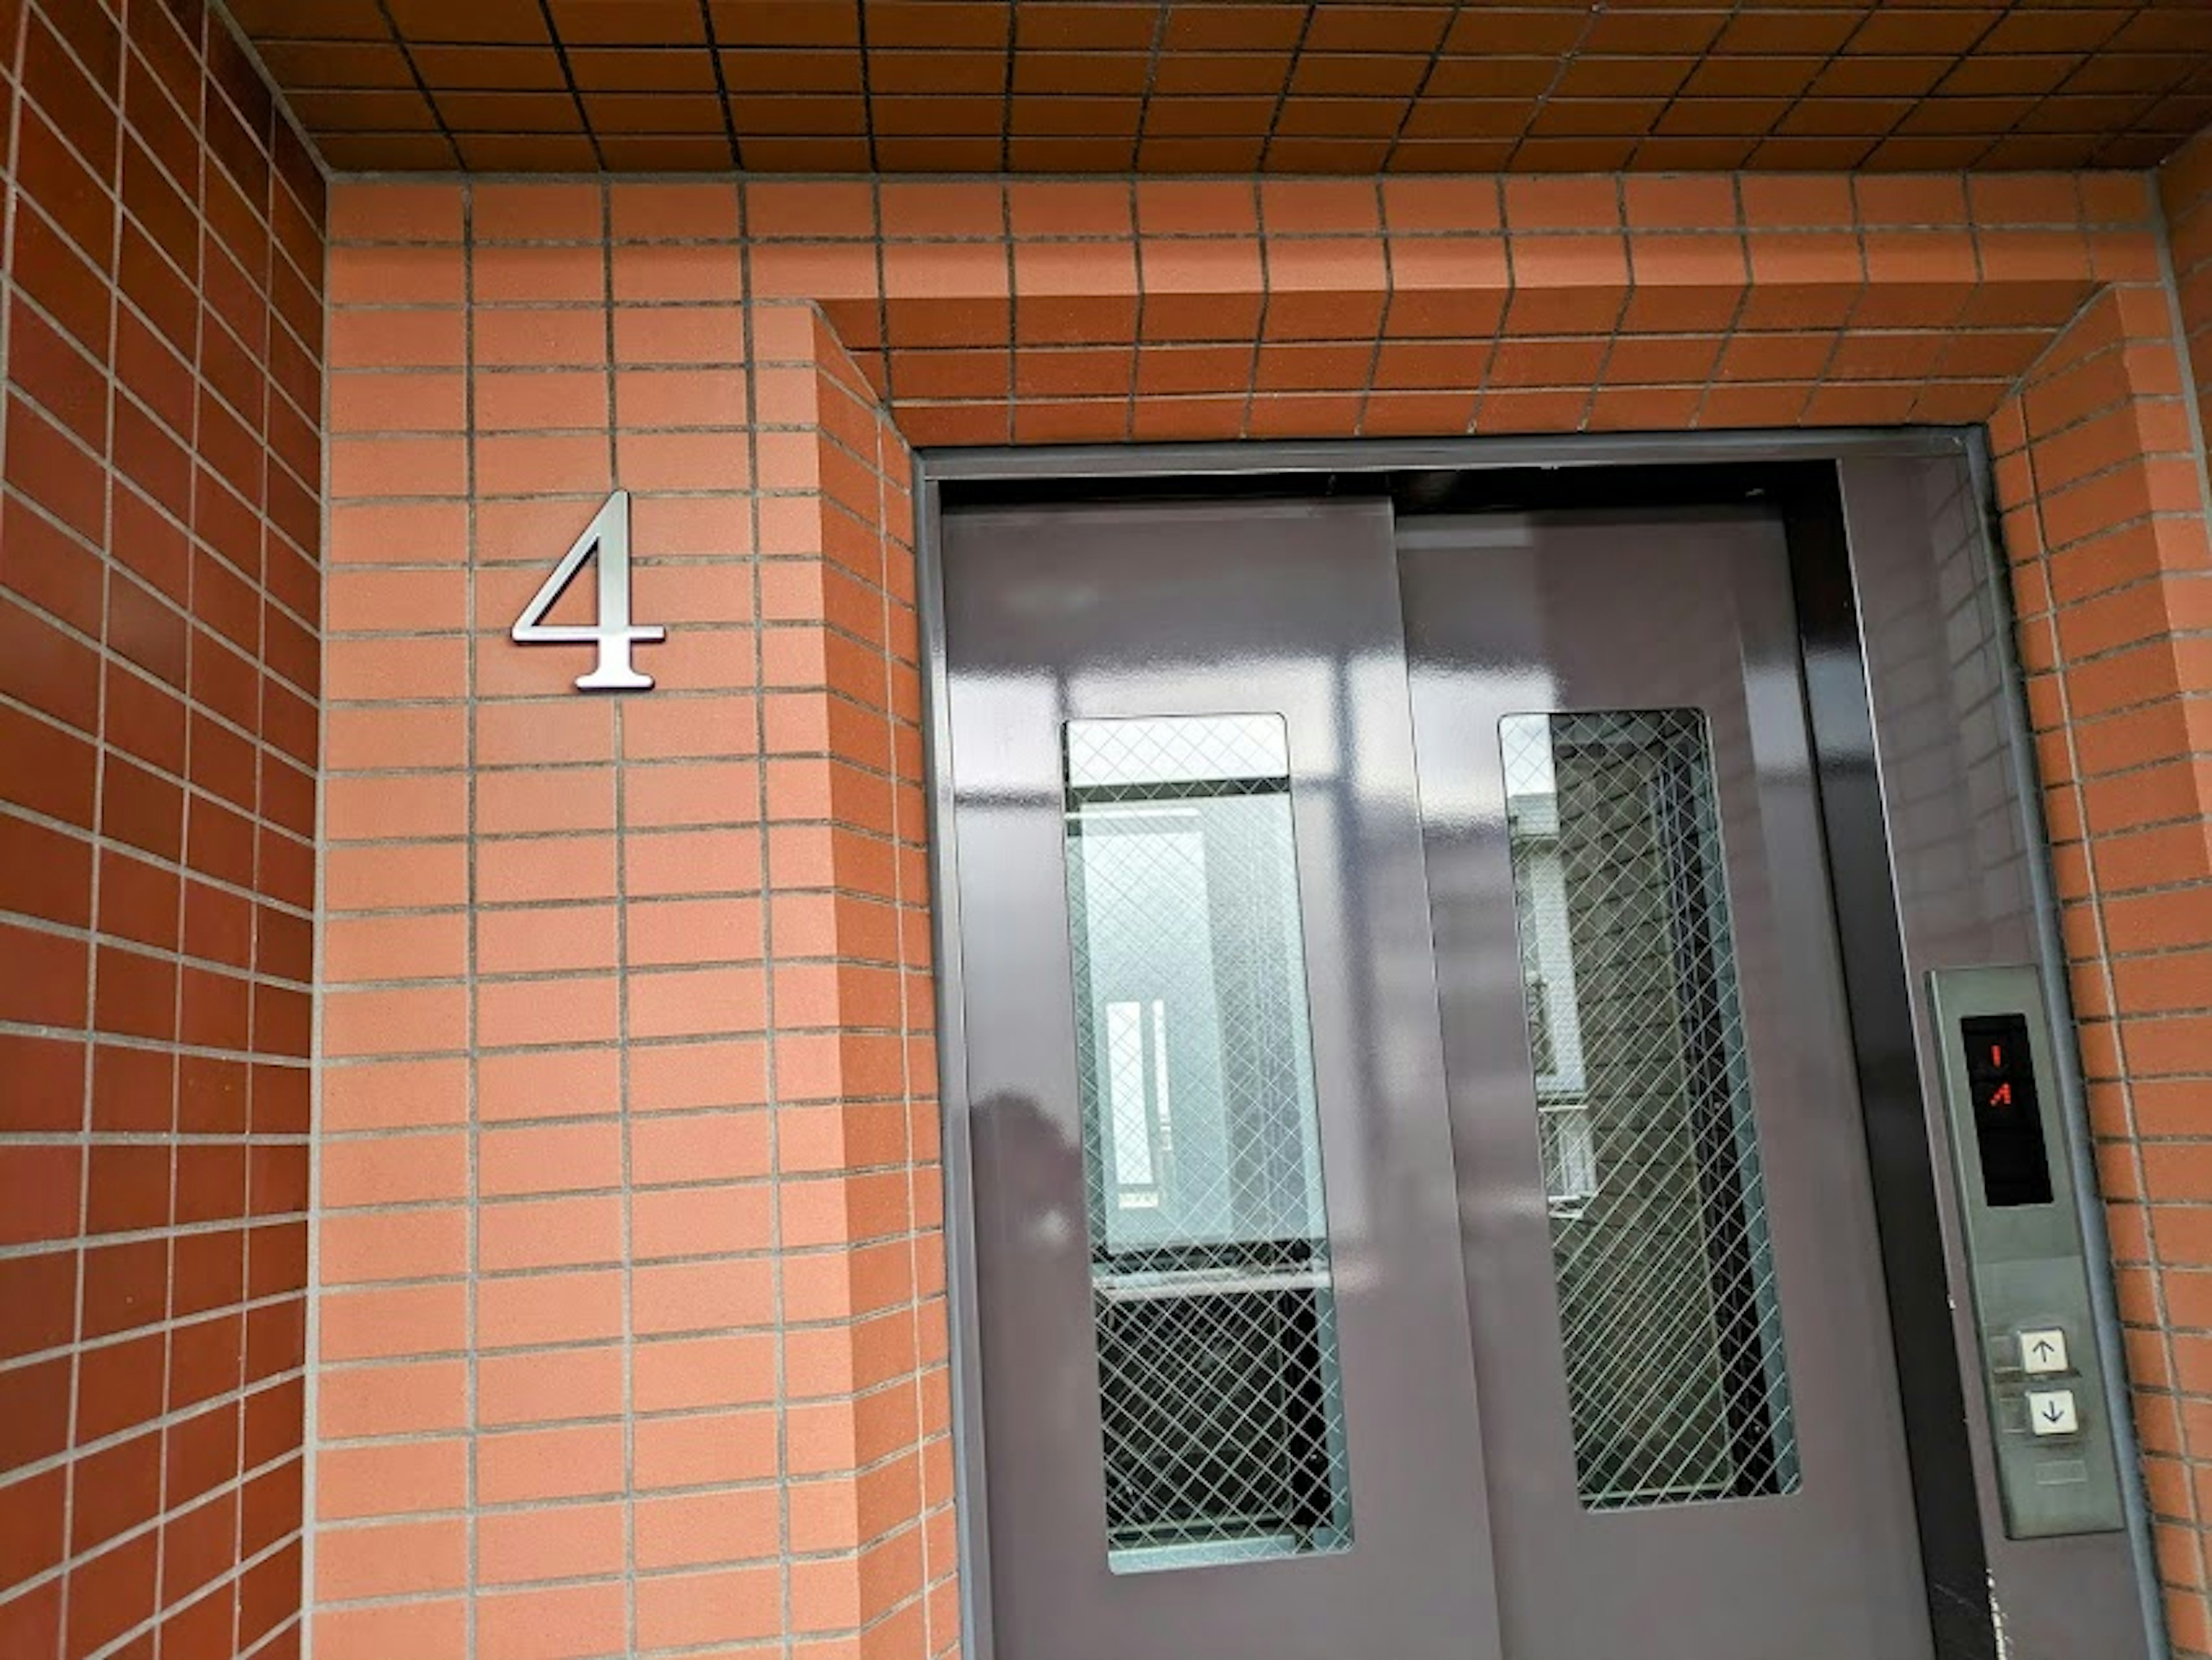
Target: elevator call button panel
x: 2057, y: 1461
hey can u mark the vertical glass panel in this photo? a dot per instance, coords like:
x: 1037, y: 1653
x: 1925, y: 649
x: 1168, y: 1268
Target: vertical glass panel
x: 1676, y: 1385
x: 1218, y: 1381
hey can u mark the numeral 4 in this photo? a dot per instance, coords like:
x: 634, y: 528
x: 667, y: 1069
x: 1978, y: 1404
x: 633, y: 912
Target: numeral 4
x: 613, y: 633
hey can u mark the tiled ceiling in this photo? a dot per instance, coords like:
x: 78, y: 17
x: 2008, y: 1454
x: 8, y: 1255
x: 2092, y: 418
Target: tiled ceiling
x: 1234, y: 86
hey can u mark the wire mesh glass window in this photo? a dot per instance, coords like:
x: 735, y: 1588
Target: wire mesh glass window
x: 1676, y: 1385
x: 1219, y: 1392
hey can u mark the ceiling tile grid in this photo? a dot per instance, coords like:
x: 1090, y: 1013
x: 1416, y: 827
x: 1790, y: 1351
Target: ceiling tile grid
x: 1236, y: 86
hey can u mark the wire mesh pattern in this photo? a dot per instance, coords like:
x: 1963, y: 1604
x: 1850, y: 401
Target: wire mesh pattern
x: 1669, y: 1318
x: 1220, y: 1401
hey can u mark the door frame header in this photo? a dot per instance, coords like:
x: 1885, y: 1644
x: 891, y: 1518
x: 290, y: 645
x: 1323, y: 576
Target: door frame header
x: 1068, y: 463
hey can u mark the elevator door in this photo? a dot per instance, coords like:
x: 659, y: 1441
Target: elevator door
x: 1418, y: 1200
x: 1688, y: 1389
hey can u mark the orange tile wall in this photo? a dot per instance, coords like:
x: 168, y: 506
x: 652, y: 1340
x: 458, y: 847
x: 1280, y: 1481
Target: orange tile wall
x: 632, y: 1326
x: 159, y: 600
x: 2099, y: 476
x: 726, y: 871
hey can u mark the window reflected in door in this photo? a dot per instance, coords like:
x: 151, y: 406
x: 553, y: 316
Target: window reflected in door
x: 1677, y: 1386
x: 1220, y: 1397
x: 1555, y: 1027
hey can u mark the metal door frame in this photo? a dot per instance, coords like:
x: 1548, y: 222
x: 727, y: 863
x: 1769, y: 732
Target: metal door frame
x: 1990, y: 1596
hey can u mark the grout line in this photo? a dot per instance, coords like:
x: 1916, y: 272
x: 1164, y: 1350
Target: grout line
x: 1133, y: 200
x: 861, y: 242
x: 867, y: 91
x: 1437, y: 55
x: 453, y: 178
x: 568, y: 80
x: 1266, y: 296
x: 1670, y: 100
x: 1013, y: 330
x: 421, y: 86
x: 99, y: 740
x: 1734, y: 327
x: 524, y: 1430
x: 472, y: 1241
x: 1366, y: 394
x: 1282, y: 97
x: 285, y: 112
x: 780, y: 1389
x: 1567, y: 60
x: 1007, y: 100
x: 1153, y: 55
x: 885, y: 355
x: 1611, y: 339
x: 1824, y: 376
x: 1499, y: 335
x: 721, y: 92
x: 907, y: 992
x: 625, y: 1203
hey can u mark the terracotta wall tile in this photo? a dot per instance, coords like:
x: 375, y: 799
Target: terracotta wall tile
x: 623, y: 1198
x: 161, y: 459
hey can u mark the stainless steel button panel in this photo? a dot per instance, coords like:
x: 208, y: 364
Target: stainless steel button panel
x: 2056, y: 1467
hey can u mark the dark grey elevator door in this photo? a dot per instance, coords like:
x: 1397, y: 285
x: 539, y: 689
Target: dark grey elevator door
x: 1419, y: 1200
x: 1689, y: 1397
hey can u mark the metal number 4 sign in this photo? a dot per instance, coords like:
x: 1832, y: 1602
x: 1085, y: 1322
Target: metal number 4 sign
x: 613, y: 633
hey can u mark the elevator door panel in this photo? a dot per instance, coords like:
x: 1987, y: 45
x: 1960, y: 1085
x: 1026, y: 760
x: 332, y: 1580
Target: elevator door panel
x: 1228, y: 1393
x: 1690, y: 1411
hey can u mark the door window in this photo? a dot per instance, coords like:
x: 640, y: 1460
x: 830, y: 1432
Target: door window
x: 1677, y: 1387
x: 1219, y: 1394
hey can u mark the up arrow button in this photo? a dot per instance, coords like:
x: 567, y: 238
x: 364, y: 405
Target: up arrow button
x: 2043, y: 1351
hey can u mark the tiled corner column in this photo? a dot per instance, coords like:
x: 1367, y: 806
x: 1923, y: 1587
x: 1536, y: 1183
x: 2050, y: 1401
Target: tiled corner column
x: 850, y: 940
x: 2101, y: 487
x: 631, y: 1330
